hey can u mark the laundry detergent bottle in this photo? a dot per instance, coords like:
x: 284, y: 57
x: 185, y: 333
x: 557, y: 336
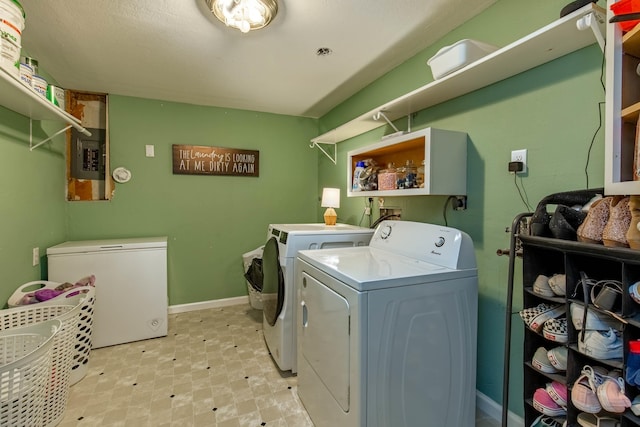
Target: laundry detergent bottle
x: 356, y: 176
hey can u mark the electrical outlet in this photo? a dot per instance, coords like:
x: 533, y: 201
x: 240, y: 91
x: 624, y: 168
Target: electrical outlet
x: 35, y: 256
x: 520, y: 156
x: 367, y: 210
x: 459, y: 203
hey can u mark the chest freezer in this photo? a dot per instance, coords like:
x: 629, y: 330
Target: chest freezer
x: 131, y: 285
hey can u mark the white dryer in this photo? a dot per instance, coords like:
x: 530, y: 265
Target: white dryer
x: 387, y: 333
x: 283, y: 243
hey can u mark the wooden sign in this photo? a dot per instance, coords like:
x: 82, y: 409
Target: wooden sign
x: 204, y: 160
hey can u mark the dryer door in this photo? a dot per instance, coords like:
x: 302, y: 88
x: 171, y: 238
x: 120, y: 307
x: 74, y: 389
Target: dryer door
x: 325, y: 337
x: 272, y: 282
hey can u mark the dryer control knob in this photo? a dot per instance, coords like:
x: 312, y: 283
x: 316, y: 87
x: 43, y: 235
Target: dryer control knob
x: 385, y: 232
x: 440, y: 242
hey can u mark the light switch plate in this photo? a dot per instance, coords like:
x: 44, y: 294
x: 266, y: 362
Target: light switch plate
x: 149, y: 150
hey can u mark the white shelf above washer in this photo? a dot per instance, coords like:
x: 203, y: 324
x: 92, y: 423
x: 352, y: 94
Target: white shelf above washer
x: 553, y: 41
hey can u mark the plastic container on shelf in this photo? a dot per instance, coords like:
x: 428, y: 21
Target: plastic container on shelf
x: 360, y: 167
x: 409, y: 178
x: 387, y: 178
x: 624, y: 7
x: 26, y: 74
x: 12, y: 19
x: 420, y: 175
x: 458, y: 55
x: 25, y: 368
x: 85, y: 296
x: 39, y: 85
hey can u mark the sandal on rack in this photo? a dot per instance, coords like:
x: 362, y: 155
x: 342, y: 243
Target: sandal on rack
x: 593, y: 420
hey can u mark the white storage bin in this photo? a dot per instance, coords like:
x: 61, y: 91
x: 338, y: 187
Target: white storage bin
x: 453, y: 57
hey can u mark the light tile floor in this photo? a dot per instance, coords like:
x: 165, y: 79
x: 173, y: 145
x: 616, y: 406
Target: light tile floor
x: 212, y: 369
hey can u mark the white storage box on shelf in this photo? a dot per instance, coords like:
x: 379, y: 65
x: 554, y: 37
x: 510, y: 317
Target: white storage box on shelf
x: 458, y: 55
x: 67, y: 311
x: 25, y: 367
x: 85, y: 300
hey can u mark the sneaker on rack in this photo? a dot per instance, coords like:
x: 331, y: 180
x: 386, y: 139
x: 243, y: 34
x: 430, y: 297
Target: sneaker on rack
x: 534, y: 317
x: 541, y: 286
x: 558, y: 284
x: 596, y: 321
x: 541, y: 362
x: 556, y: 330
x: 611, y: 395
x: 545, y: 404
x: 558, y: 357
x: 583, y: 393
x: 601, y: 345
x: 545, y: 421
x: 635, y: 406
x: 558, y: 392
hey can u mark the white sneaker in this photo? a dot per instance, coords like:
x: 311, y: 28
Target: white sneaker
x: 601, y: 345
x: 596, y: 321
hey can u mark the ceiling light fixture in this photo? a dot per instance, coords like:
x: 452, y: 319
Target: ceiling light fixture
x: 245, y: 15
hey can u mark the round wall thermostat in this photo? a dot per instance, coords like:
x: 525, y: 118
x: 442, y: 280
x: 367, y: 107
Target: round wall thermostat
x: 121, y: 175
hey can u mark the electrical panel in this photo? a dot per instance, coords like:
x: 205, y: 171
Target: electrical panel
x: 88, y: 154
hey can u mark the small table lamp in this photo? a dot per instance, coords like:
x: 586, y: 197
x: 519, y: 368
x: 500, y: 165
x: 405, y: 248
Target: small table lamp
x: 330, y: 200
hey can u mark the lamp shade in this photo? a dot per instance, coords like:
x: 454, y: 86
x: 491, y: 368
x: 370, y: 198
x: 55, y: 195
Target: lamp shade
x: 330, y: 198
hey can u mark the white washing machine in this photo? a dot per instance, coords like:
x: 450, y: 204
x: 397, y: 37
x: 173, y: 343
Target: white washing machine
x: 387, y: 333
x: 283, y: 243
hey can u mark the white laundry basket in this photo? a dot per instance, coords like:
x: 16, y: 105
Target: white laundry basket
x: 85, y: 296
x: 67, y: 311
x: 255, y: 296
x: 25, y: 367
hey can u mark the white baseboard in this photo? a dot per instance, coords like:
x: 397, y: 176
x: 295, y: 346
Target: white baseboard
x: 494, y: 410
x: 203, y: 305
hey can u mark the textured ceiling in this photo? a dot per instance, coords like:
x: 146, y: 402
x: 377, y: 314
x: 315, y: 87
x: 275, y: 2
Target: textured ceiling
x: 176, y: 50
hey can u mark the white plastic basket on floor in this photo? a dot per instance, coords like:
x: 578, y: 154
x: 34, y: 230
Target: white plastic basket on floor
x: 25, y: 367
x: 82, y: 345
x: 67, y: 311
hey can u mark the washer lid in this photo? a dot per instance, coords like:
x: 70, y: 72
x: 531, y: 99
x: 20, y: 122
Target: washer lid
x: 367, y: 268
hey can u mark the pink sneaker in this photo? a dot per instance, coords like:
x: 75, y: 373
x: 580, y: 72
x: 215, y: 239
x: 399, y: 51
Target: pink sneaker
x: 583, y: 393
x: 611, y: 395
x: 545, y: 404
x: 558, y: 392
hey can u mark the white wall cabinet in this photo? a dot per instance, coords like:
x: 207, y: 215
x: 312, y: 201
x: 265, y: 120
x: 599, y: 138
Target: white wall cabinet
x: 622, y: 174
x: 445, y: 161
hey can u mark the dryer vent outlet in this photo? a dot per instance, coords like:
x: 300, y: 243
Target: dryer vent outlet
x: 393, y: 213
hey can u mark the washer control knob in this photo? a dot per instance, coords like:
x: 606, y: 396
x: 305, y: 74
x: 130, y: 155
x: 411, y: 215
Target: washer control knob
x: 440, y: 242
x: 385, y: 232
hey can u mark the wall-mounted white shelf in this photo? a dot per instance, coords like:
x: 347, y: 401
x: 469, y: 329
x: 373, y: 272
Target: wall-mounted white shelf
x: 23, y: 100
x: 553, y: 41
x: 442, y: 154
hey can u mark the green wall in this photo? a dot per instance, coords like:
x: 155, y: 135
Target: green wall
x: 551, y: 110
x: 210, y: 220
x: 32, y: 207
